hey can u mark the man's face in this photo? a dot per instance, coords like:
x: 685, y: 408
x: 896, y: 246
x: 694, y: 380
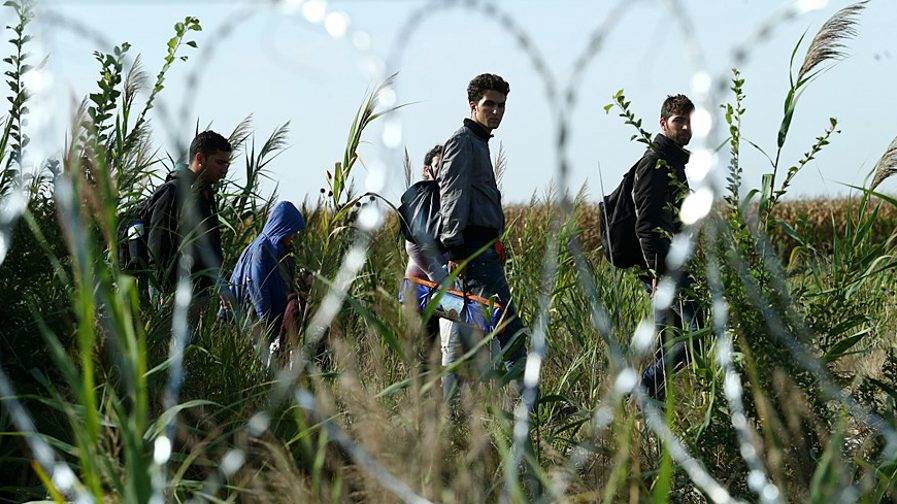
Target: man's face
x: 677, y: 128
x: 489, y: 110
x: 213, y: 168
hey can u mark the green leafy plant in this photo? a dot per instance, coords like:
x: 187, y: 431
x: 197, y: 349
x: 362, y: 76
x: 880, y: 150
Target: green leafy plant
x: 734, y: 112
x: 827, y: 45
x: 340, y: 191
x: 821, y: 141
x: 102, y: 104
x: 182, y: 30
x: 626, y: 113
x: 19, y: 98
x: 12, y: 139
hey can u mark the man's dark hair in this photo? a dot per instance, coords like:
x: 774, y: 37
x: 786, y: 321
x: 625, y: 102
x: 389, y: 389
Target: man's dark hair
x: 435, y: 151
x: 208, y: 143
x: 679, y: 104
x: 486, y: 82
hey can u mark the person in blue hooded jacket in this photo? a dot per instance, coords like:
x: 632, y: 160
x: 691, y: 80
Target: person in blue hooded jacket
x: 263, y: 276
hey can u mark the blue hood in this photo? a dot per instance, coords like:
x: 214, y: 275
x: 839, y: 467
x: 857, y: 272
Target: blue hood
x: 285, y: 219
x: 257, y: 281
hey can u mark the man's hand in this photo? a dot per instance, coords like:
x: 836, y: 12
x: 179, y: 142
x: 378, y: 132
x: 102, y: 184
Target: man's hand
x: 452, y: 266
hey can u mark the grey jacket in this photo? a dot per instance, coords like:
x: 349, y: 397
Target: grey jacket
x: 470, y: 202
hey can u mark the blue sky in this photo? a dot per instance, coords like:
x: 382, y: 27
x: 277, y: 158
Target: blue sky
x: 279, y: 67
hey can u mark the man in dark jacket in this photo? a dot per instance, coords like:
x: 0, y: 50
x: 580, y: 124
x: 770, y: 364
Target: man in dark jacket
x: 183, y: 220
x: 470, y: 206
x: 659, y: 187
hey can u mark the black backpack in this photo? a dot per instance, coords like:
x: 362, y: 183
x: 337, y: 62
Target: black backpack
x: 617, y: 217
x: 420, y: 220
x: 133, y: 232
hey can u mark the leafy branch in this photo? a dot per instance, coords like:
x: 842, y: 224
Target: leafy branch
x: 20, y: 96
x: 181, y: 29
x: 733, y: 119
x: 97, y: 124
x: 340, y: 193
x: 626, y: 113
x: 821, y: 141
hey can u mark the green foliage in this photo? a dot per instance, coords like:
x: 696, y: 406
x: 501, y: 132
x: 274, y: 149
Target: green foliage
x: 12, y: 139
x: 122, y: 144
x: 181, y: 31
x: 341, y: 193
x: 734, y: 112
x: 17, y: 61
x: 827, y: 45
x: 103, y: 103
x: 821, y: 141
x: 626, y: 113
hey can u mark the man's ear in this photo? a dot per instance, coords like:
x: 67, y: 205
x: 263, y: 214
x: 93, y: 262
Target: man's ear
x: 473, y: 106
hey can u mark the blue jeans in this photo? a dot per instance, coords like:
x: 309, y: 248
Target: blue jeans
x: 670, y: 355
x: 485, y: 276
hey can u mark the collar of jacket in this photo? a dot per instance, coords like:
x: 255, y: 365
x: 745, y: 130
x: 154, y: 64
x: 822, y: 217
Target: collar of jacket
x: 183, y: 172
x: 670, y: 151
x: 478, y: 129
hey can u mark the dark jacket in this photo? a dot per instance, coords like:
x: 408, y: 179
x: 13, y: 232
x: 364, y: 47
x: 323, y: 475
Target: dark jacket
x: 657, y: 191
x: 263, y: 276
x: 176, y: 228
x: 470, y: 202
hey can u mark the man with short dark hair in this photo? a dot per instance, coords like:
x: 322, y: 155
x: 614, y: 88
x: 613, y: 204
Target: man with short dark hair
x: 658, y: 190
x: 183, y: 220
x: 470, y: 207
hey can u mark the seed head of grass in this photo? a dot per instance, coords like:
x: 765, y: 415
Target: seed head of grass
x: 886, y: 166
x: 828, y: 44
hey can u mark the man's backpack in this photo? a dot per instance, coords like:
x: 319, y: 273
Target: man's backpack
x: 133, y: 252
x: 617, y: 217
x: 133, y: 232
x: 420, y: 221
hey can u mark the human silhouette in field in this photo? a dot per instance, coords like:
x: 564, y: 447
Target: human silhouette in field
x: 659, y: 186
x: 263, y: 280
x: 471, y: 213
x: 183, y: 222
x: 427, y: 262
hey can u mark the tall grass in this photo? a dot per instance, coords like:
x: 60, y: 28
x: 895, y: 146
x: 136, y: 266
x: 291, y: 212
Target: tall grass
x: 88, y: 355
